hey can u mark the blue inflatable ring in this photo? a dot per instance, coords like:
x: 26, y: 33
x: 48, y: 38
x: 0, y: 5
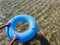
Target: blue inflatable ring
x: 23, y: 36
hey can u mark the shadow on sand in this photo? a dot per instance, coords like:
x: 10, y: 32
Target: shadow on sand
x: 41, y: 38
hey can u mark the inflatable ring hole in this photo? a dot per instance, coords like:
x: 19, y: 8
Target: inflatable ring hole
x: 22, y: 26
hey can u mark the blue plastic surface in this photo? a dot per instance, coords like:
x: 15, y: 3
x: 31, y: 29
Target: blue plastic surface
x: 23, y: 36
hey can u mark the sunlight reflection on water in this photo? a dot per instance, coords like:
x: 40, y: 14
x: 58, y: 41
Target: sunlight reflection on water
x: 1, y: 0
x: 2, y: 17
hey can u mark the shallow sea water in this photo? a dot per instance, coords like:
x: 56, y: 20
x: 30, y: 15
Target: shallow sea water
x: 46, y: 13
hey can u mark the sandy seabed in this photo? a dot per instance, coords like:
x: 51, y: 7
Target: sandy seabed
x: 46, y: 13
